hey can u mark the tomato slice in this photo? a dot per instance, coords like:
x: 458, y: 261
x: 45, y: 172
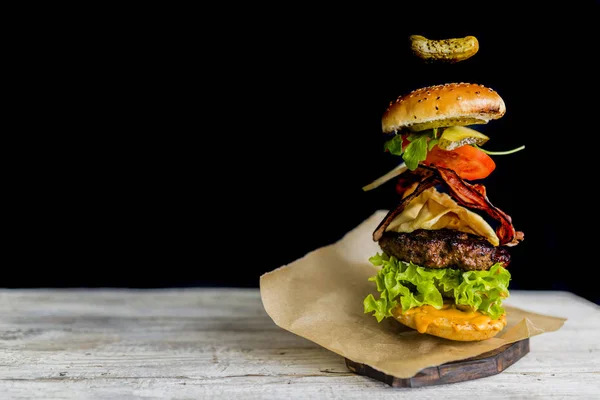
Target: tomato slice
x: 467, y: 161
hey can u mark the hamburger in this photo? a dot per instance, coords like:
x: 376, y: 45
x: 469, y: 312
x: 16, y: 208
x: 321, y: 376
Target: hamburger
x: 442, y: 269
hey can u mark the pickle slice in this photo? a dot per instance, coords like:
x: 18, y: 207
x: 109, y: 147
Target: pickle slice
x: 456, y: 136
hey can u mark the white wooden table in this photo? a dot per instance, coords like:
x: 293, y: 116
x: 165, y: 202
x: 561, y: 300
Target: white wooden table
x: 220, y: 343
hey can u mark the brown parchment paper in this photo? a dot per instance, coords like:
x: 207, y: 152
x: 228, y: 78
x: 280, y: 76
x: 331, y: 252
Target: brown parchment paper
x: 320, y: 297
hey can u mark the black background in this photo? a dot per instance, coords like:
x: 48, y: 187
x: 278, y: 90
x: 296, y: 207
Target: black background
x: 208, y: 153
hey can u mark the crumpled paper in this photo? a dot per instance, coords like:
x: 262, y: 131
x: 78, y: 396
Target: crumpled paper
x: 320, y: 297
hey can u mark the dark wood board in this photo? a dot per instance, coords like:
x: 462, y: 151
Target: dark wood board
x: 486, y: 364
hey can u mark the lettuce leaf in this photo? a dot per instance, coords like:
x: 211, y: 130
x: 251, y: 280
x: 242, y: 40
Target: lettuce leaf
x: 394, y: 145
x: 409, y: 285
x: 416, y: 151
x: 419, y: 145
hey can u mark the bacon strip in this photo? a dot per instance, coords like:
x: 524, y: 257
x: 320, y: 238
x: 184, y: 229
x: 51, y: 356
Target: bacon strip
x: 468, y: 195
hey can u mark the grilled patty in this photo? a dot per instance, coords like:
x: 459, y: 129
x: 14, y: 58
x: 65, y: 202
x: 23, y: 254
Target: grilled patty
x: 444, y: 248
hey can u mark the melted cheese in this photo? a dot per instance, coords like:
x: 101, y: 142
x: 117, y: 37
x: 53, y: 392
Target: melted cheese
x: 454, y: 317
x: 435, y: 210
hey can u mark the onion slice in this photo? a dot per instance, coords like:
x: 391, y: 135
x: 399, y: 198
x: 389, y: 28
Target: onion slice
x: 384, y: 178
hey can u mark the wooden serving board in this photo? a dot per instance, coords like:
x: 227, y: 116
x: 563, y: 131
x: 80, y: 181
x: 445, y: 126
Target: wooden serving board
x: 486, y: 364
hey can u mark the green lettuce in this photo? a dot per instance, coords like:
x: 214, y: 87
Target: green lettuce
x: 419, y: 144
x: 409, y: 285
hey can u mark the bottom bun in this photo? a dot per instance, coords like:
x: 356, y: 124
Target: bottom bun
x: 451, y: 322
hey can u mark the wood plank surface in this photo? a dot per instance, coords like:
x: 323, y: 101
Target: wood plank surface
x: 220, y: 343
x: 481, y: 366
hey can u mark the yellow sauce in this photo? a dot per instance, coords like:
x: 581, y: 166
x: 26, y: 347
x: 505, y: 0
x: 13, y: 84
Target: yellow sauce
x: 450, y: 315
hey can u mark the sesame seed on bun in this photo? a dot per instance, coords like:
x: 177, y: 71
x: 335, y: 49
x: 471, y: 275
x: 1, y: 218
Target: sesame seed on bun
x: 444, y: 105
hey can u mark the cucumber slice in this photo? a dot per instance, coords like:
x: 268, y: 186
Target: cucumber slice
x: 456, y: 136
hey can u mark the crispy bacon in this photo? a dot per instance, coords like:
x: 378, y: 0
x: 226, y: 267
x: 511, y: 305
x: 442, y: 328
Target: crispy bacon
x: 471, y: 196
x: 410, y: 179
x: 466, y: 194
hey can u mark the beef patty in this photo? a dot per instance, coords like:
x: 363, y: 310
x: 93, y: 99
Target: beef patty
x: 444, y: 248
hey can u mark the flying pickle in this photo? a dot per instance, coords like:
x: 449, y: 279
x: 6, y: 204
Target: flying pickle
x: 444, y: 50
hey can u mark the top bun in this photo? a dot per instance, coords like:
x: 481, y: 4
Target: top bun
x: 443, y: 105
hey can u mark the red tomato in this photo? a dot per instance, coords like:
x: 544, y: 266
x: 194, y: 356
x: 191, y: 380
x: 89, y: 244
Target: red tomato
x: 467, y: 161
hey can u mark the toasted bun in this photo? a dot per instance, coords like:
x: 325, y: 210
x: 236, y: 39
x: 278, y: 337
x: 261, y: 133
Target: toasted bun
x: 450, y: 322
x: 443, y: 105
